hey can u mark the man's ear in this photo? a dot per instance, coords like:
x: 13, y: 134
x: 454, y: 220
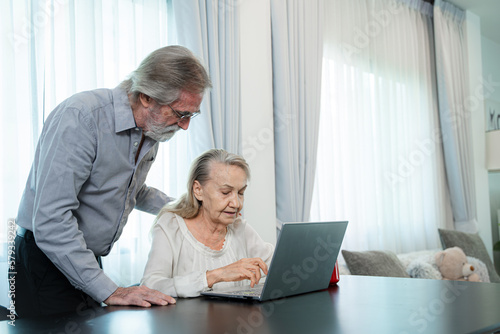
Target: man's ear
x: 145, y: 100
x: 198, y: 190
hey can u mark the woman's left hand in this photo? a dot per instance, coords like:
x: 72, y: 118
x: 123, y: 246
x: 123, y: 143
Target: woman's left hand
x: 247, y: 268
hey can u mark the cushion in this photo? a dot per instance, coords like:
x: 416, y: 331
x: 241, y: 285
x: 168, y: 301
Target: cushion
x: 343, y: 269
x: 472, y: 245
x: 374, y: 263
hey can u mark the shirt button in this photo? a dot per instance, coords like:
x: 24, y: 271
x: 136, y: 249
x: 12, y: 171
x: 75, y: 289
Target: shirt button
x: 136, y: 143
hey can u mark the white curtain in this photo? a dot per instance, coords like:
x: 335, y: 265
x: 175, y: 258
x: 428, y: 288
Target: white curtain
x: 380, y: 162
x: 454, y: 112
x: 297, y: 30
x: 210, y: 29
x: 52, y: 49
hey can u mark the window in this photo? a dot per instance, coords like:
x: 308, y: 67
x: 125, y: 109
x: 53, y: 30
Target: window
x: 51, y: 50
x: 380, y: 161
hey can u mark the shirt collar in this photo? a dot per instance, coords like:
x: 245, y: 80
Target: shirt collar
x: 124, y: 117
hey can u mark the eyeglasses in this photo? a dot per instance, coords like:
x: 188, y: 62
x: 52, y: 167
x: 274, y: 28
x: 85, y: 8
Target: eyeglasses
x: 182, y: 115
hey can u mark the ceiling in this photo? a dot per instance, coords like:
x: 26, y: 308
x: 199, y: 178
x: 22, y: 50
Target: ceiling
x: 488, y: 11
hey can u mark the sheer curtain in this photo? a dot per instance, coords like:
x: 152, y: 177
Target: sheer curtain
x: 380, y: 160
x: 210, y: 29
x: 297, y: 30
x: 52, y: 49
x: 452, y: 81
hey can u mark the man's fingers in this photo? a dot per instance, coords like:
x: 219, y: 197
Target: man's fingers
x: 139, y: 296
x: 156, y: 297
x: 144, y: 303
x: 159, y: 298
x: 170, y: 300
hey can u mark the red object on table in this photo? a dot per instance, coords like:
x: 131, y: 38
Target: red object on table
x: 335, y: 275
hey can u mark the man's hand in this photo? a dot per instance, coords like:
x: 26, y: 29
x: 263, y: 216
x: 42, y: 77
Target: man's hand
x: 247, y: 268
x: 138, y: 296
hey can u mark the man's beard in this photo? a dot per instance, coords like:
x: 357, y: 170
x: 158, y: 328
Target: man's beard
x: 158, y: 131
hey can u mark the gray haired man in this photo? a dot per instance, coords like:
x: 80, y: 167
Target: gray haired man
x: 89, y: 172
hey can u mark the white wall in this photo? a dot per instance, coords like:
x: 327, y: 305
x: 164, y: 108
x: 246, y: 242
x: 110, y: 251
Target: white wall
x: 491, y: 72
x: 476, y: 98
x: 257, y: 115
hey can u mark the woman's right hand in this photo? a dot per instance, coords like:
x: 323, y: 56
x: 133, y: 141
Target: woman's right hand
x: 247, y: 268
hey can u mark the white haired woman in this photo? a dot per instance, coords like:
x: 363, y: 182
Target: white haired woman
x: 200, y: 242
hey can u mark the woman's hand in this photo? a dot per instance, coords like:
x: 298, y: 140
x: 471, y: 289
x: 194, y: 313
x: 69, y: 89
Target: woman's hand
x: 248, y: 268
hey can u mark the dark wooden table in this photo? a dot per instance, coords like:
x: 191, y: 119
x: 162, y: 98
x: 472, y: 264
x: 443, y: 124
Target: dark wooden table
x: 358, y: 304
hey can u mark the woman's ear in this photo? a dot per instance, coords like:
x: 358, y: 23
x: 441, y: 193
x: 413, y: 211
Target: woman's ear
x: 198, y: 191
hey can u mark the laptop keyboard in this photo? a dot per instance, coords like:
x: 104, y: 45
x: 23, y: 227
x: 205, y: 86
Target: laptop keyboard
x: 249, y: 292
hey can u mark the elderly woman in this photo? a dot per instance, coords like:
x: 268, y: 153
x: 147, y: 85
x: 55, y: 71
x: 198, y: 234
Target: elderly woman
x: 201, y: 242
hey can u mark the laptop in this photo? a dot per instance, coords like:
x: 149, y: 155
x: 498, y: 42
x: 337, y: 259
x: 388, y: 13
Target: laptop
x: 302, y: 262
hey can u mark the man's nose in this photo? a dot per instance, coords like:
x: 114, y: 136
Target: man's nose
x: 184, y: 123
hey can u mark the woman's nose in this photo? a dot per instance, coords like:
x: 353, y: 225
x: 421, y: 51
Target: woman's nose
x: 235, y: 201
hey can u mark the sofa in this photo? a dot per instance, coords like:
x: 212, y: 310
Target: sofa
x: 420, y: 264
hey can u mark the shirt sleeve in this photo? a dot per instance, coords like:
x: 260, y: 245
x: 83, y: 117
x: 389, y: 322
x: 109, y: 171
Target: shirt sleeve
x: 151, y: 200
x: 66, y: 151
x: 159, y: 271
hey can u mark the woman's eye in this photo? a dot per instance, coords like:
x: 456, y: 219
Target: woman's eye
x: 225, y: 193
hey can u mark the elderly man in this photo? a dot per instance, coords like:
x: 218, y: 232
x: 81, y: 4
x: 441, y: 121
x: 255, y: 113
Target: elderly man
x: 90, y: 165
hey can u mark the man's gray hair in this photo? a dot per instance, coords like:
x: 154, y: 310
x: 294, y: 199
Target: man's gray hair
x: 165, y: 72
x: 188, y: 206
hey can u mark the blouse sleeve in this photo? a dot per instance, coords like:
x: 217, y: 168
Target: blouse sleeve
x: 256, y: 247
x: 158, y: 273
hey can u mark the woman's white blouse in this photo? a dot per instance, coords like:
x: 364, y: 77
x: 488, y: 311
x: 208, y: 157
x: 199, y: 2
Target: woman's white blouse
x: 178, y: 262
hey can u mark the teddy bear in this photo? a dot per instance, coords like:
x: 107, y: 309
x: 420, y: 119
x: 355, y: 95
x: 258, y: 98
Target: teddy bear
x: 453, y: 265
